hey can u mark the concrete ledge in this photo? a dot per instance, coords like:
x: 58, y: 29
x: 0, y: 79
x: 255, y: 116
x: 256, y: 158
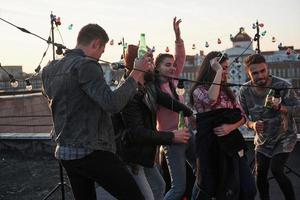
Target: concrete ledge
x: 25, y: 136
x: 28, y: 143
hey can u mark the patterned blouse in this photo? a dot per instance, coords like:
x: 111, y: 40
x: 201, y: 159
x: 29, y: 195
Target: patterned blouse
x: 203, y: 104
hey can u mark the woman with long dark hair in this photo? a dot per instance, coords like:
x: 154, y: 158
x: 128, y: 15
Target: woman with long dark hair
x: 221, y: 162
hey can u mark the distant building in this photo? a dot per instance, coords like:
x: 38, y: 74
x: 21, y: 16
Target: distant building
x: 15, y: 70
x: 242, y: 46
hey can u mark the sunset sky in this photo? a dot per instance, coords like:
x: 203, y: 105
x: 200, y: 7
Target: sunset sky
x: 201, y: 21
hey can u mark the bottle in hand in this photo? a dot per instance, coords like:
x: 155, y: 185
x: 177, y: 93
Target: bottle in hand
x: 142, y: 50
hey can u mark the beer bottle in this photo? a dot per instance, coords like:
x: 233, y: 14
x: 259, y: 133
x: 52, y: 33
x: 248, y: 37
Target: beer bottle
x: 181, y: 121
x: 142, y: 50
x: 268, y: 101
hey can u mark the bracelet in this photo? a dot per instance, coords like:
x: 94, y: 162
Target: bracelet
x: 136, y: 69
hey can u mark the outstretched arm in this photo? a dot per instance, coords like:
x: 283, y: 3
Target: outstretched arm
x: 169, y: 102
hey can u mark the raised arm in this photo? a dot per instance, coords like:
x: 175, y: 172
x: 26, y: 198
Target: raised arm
x: 179, y: 48
x: 214, y: 90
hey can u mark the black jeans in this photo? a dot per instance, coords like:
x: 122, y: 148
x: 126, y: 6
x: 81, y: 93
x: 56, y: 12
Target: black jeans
x: 277, y: 163
x: 107, y: 170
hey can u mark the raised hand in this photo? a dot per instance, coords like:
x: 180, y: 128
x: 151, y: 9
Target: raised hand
x: 145, y: 63
x: 215, y: 65
x: 176, y: 27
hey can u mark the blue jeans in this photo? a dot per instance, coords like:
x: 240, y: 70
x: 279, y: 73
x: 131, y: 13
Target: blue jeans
x: 150, y: 182
x: 176, y: 155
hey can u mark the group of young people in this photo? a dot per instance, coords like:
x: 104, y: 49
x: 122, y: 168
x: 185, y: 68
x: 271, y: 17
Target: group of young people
x: 82, y: 106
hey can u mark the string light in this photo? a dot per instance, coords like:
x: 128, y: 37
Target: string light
x: 180, y: 87
x: 111, y: 42
x: 70, y: 27
x: 28, y: 85
x: 57, y: 21
x: 153, y: 49
x: 167, y: 49
x: 13, y: 82
x: 193, y: 46
x: 206, y: 44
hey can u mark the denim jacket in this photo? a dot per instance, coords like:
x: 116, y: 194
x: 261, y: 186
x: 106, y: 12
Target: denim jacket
x: 81, y: 102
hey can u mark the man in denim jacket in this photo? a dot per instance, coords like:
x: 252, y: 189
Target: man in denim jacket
x: 81, y: 104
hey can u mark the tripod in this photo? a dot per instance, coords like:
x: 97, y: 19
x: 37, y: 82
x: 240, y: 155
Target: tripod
x: 60, y: 184
x: 59, y: 47
x: 61, y: 175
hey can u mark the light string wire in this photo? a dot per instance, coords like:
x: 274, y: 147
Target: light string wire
x: 156, y: 73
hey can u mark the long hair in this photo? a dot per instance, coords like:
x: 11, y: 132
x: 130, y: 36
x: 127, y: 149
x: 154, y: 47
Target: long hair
x: 160, y: 58
x: 206, y: 74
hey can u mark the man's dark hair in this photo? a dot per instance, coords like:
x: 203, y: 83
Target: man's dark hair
x: 91, y: 32
x: 254, y: 59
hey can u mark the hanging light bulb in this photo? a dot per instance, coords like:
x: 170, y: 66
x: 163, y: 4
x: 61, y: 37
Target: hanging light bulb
x: 167, y: 49
x: 70, y: 27
x: 153, y: 49
x: 111, y: 42
x: 273, y: 39
x: 13, y: 82
x: 194, y: 47
x: 263, y: 33
x: 59, y: 50
x: 206, y: 44
x: 28, y: 85
x: 219, y: 41
x: 242, y: 30
x: 119, y: 43
x: 57, y: 21
x: 180, y: 87
x: 254, y: 26
x: 280, y: 45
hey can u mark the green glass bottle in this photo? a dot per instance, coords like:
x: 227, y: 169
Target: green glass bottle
x: 268, y: 101
x: 181, y: 121
x: 142, y: 46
